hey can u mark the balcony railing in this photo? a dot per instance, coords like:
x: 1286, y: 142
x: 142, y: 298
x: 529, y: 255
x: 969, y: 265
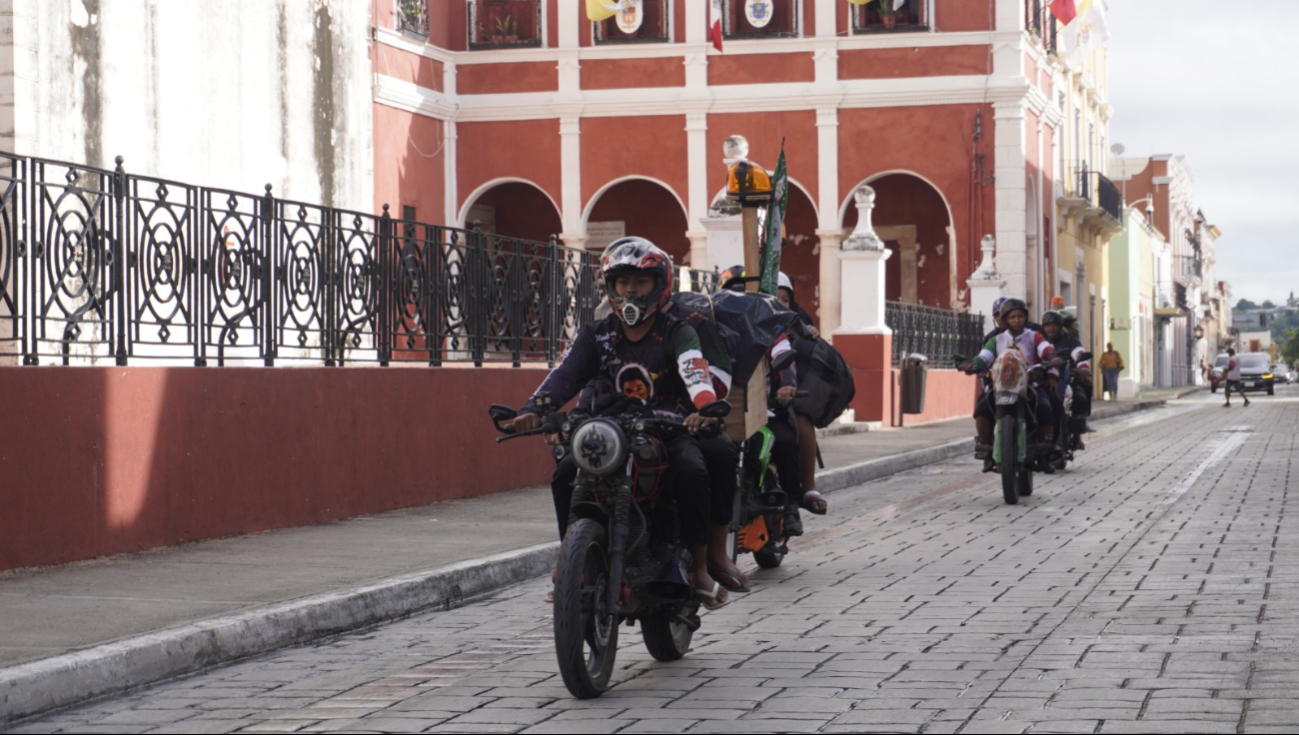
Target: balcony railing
x: 938, y: 334
x: 496, y: 24
x: 1097, y: 188
x: 100, y: 266
x: 1039, y: 22
x: 877, y: 18
x: 773, y: 19
x: 412, y: 17
x: 650, y: 27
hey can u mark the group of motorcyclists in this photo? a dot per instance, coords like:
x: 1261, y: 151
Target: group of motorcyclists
x: 1055, y: 344
x: 670, y: 361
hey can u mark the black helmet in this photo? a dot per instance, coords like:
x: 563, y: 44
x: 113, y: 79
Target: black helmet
x: 1053, y: 317
x: 1010, y: 305
x: 730, y: 278
x: 636, y: 254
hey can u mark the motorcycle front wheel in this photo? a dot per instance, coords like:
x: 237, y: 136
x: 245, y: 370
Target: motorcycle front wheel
x: 586, y: 630
x: 1006, y: 426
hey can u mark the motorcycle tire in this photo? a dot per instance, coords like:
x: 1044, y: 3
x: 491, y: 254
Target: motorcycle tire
x: 768, y: 559
x: 1025, y: 482
x: 586, y: 633
x: 665, y: 638
x: 1213, y: 389
x: 1009, y: 461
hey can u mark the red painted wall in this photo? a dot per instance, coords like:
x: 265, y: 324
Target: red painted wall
x: 522, y: 211
x: 649, y: 211
x: 112, y: 460
x: 614, y: 147
x: 526, y: 149
x: 632, y: 73
x: 409, y: 67
x: 408, y: 164
x: 896, y: 63
x: 760, y: 68
x: 948, y: 394
x: 538, y: 76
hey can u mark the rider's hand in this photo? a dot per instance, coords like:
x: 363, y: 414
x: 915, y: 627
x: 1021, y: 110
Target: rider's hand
x: 964, y: 367
x: 785, y: 394
x: 526, y: 422
x: 1057, y: 362
x: 816, y: 333
x: 694, y: 422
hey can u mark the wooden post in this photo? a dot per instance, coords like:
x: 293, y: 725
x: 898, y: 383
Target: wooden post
x: 749, y: 402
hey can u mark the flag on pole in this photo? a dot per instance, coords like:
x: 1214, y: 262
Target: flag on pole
x: 598, y: 10
x: 1087, y: 33
x: 1063, y: 10
x: 775, y: 226
x: 715, y: 23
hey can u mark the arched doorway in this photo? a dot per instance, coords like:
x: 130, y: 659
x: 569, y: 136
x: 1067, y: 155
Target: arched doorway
x: 641, y: 208
x: 913, y: 219
x: 800, y: 257
x: 512, y: 208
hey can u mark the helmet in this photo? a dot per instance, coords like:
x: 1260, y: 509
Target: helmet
x: 996, y: 305
x: 1010, y: 305
x: 1053, y: 317
x: 1057, y: 302
x: 729, y: 275
x: 783, y: 281
x: 636, y: 254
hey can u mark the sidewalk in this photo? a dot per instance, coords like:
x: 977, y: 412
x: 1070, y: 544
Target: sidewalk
x: 80, y: 630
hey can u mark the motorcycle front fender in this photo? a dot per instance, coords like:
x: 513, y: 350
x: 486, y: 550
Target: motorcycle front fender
x: 593, y: 511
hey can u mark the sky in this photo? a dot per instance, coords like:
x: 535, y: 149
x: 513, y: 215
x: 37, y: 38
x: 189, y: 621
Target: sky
x: 1218, y: 82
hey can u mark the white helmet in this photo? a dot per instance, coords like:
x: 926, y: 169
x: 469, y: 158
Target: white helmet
x: 782, y: 281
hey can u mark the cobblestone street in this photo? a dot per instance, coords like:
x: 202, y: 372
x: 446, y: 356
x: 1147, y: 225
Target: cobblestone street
x: 1151, y: 587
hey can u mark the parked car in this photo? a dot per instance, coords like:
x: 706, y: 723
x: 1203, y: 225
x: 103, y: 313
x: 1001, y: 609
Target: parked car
x: 1256, y: 372
x: 1218, y: 372
x: 1280, y: 374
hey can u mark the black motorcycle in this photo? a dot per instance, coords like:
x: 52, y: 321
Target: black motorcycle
x: 622, y: 559
x: 1068, y: 426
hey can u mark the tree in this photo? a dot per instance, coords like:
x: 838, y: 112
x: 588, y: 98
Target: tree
x: 1267, y: 305
x: 1290, y: 350
x: 1245, y: 305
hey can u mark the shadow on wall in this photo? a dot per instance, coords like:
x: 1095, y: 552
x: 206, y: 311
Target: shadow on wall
x: 903, y: 200
x: 645, y: 209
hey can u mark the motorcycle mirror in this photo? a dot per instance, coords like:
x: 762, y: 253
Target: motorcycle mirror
x: 501, y: 413
x: 715, y: 410
x: 782, y: 361
x: 1084, y: 356
x: 958, y: 359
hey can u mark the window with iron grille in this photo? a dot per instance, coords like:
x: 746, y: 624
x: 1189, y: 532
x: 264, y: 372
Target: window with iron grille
x: 495, y: 24
x: 412, y: 17
x: 648, y: 23
x: 890, y: 15
x: 760, y: 19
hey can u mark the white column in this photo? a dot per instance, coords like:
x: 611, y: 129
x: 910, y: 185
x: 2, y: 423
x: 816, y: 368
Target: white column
x: 724, y: 243
x: 450, y: 177
x: 986, y: 284
x: 863, y: 255
x: 696, y: 21
x: 1011, y: 204
x: 570, y: 156
x: 830, y: 229
x: 1010, y: 15
x: 698, y: 194
x: 825, y: 17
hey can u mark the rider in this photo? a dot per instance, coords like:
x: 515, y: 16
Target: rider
x: 645, y: 353
x: 1067, y: 344
x: 1036, y: 350
x: 807, y: 448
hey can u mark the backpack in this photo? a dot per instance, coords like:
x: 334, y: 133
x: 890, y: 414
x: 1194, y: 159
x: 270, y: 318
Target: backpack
x: 827, y: 380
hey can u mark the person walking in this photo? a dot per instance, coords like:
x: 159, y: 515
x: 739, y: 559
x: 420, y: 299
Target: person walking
x: 1111, y: 365
x: 1233, y: 378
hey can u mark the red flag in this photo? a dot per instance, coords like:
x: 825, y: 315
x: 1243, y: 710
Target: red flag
x: 715, y: 23
x: 1063, y: 10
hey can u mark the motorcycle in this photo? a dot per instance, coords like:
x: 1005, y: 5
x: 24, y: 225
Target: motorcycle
x: 1015, y: 455
x: 1068, y: 426
x: 758, y: 520
x: 622, y: 559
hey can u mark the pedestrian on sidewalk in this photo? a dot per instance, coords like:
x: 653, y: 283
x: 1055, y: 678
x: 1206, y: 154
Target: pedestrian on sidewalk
x: 1233, y: 377
x: 1111, y: 365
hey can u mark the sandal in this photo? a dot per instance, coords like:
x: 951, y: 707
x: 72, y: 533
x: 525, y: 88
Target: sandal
x: 732, y: 582
x: 810, y: 502
x: 713, y: 599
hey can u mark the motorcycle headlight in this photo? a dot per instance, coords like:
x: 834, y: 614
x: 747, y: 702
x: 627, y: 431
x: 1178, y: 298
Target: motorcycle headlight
x: 599, y: 447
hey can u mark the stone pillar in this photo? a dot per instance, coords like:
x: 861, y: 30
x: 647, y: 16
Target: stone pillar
x: 986, y: 285
x: 829, y: 227
x: 570, y: 173
x: 699, y: 259
x: 828, y: 306
x: 862, y: 337
x: 724, y: 238
x: 1011, y: 199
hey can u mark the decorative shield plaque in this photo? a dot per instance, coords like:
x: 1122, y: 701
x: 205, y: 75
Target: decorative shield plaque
x: 631, y: 16
x: 758, y: 12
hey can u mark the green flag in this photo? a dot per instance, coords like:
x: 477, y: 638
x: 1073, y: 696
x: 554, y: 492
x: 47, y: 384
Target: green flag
x: 775, y: 225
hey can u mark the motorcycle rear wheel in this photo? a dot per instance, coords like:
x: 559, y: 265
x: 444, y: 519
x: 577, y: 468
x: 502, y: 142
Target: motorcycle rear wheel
x: 586, y: 631
x: 665, y: 638
x: 1006, y: 427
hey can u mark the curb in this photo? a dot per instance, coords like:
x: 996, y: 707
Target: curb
x: 39, y: 687
x: 112, y: 668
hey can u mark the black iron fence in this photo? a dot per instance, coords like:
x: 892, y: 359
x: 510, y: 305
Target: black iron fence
x: 938, y: 334
x: 1039, y: 22
x: 1096, y: 187
x: 106, y: 266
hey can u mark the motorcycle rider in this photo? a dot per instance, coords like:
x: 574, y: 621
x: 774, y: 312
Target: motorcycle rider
x: 1036, y: 350
x: 806, y: 440
x: 656, y: 358
x: 1067, y: 344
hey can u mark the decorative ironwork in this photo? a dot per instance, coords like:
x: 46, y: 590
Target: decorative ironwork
x: 783, y: 21
x: 495, y: 24
x: 884, y: 18
x: 1039, y: 22
x: 938, y: 334
x: 1097, y: 188
x: 100, y: 265
x: 412, y: 17
x: 653, y: 26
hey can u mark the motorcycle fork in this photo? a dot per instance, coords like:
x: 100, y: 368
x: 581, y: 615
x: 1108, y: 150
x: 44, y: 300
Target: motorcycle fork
x: 618, y: 541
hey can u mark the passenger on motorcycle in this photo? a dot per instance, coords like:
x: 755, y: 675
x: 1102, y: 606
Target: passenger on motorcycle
x: 1036, y: 350
x: 1067, y: 344
x: 806, y: 440
x: 654, y: 358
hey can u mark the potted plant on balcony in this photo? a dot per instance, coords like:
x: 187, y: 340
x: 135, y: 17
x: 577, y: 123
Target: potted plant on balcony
x: 507, y: 29
x: 889, y: 11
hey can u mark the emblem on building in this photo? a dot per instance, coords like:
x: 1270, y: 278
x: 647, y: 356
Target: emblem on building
x: 757, y: 12
x: 630, y: 16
